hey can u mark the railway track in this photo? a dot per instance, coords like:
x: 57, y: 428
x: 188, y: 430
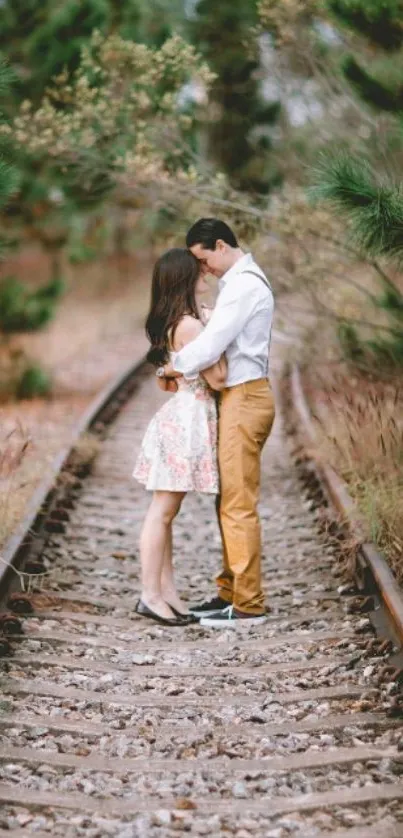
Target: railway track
x: 111, y: 726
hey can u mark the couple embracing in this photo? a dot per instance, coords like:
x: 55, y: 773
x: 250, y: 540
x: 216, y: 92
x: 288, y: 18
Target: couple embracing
x: 208, y: 437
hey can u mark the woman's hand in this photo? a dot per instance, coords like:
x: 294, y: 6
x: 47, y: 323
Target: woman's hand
x: 170, y: 372
x: 168, y: 385
x: 205, y: 313
x: 216, y: 376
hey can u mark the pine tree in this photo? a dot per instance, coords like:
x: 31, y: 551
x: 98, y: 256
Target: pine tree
x: 369, y: 197
x: 9, y: 174
x: 158, y: 21
x: 53, y: 50
x: 374, y: 209
x: 238, y: 139
x: 40, y: 40
x: 380, y: 21
x: 19, y: 309
x: 360, y: 187
x: 376, y: 74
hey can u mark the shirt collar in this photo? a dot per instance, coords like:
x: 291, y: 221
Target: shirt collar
x: 239, y: 266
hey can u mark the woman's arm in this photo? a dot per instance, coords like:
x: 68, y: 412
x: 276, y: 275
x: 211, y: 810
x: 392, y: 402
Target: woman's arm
x: 188, y: 329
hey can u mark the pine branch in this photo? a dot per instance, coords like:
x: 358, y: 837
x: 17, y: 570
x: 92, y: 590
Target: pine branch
x: 381, y: 21
x: 326, y: 312
x: 373, y: 90
x: 375, y: 210
x: 9, y: 180
x: 339, y: 245
x: 7, y: 76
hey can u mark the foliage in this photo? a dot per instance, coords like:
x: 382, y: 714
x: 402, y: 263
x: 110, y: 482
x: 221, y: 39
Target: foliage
x: 375, y: 76
x: 373, y: 206
x: 158, y: 21
x: 58, y: 43
x: 381, y: 87
x: 42, y: 38
x: 283, y: 17
x: 34, y: 383
x: 379, y: 355
x: 20, y: 377
x: 43, y: 41
x: 91, y: 116
x: 9, y: 175
x: 353, y: 177
x: 117, y: 114
x: 22, y: 310
x: 360, y: 437
x: 381, y: 21
x: 238, y: 139
x: 375, y: 213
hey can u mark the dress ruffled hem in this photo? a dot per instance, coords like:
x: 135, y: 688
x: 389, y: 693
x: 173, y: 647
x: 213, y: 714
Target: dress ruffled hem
x: 179, y: 448
x: 165, y: 488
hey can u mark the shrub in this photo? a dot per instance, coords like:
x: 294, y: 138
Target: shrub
x: 34, y: 382
x: 22, y: 310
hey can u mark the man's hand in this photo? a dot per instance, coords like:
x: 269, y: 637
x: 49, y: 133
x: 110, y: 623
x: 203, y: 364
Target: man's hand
x: 168, y: 385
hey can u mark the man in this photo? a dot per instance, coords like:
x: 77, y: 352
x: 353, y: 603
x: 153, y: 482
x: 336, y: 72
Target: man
x: 240, y: 326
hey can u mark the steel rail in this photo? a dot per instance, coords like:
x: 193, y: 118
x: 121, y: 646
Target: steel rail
x: 204, y: 729
x: 336, y: 490
x: 18, y: 544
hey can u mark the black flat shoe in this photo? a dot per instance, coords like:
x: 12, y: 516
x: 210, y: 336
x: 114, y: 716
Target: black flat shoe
x: 145, y: 611
x: 188, y: 618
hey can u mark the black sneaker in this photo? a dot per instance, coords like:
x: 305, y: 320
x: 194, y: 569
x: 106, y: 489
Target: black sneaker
x: 229, y: 618
x: 210, y: 607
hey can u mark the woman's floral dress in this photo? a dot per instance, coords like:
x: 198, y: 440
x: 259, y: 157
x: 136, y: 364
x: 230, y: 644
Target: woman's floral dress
x: 179, y: 449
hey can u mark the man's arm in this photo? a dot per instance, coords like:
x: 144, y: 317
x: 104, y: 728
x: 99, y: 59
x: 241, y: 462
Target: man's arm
x: 234, y: 307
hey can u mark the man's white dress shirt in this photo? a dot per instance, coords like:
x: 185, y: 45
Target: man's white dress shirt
x: 240, y: 326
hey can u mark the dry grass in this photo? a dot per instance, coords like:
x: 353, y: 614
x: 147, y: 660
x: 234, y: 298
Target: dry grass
x: 361, y: 431
x: 321, y: 283
x: 14, y: 447
x: 360, y: 417
x: 85, y: 450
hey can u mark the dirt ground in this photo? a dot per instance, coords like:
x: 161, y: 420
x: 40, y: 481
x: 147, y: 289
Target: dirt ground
x: 98, y: 330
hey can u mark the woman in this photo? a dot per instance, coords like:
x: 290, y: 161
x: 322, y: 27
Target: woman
x: 179, y: 450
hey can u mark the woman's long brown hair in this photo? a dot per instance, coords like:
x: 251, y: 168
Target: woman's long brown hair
x: 172, y: 296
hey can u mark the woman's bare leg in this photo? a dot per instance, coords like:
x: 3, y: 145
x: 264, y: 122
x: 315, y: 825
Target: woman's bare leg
x: 168, y: 587
x: 153, y: 543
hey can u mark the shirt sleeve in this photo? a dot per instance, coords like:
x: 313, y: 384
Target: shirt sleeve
x: 235, y: 305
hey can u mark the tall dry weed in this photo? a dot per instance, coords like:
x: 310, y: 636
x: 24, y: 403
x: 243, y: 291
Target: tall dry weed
x: 14, y: 446
x: 361, y: 431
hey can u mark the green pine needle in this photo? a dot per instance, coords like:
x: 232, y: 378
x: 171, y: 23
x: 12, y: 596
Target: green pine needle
x: 378, y: 20
x: 7, y: 76
x: 381, y: 87
x: 375, y: 210
x: 9, y: 182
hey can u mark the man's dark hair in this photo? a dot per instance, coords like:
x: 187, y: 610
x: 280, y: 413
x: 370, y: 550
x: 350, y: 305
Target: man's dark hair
x: 207, y: 231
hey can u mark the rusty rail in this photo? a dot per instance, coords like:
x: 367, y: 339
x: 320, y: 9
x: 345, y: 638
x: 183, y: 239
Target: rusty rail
x: 336, y: 490
x: 20, y: 542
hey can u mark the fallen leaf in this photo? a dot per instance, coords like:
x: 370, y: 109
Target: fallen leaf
x: 185, y: 803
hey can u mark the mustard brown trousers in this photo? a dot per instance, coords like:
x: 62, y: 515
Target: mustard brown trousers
x: 246, y: 414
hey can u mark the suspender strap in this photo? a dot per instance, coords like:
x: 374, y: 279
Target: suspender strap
x: 261, y: 277
x: 267, y: 284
